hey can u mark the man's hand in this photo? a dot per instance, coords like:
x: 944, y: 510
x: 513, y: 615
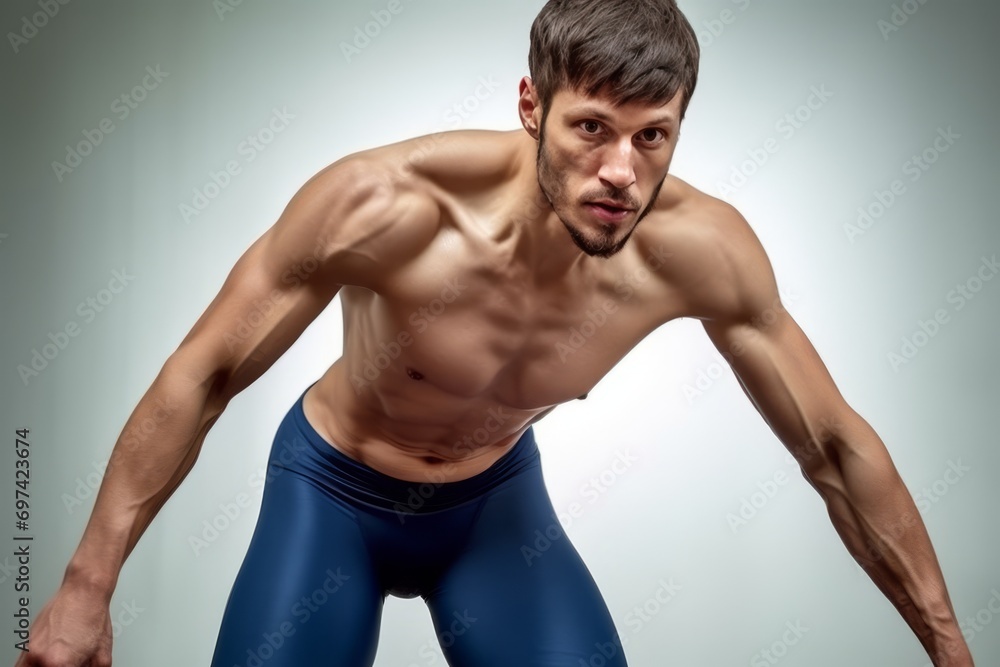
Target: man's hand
x: 72, y: 630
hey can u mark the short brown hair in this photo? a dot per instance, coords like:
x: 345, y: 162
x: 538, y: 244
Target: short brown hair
x: 634, y: 50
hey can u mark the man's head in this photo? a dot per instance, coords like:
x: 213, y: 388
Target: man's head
x: 610, y: 83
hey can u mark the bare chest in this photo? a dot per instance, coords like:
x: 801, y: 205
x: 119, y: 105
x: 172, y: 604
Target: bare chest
x: 473, y: 329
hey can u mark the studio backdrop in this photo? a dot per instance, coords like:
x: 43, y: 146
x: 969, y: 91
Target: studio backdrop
x: 148, y: 144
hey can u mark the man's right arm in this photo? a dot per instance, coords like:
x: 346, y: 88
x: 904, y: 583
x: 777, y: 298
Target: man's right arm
x: 277, y: 288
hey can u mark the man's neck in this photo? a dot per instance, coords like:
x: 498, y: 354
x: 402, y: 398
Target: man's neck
x: 542, y: 241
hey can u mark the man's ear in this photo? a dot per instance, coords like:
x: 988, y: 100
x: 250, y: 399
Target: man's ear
x: 527, y: 107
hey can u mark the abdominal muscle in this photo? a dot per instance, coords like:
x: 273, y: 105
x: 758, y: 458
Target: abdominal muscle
x: 416, y: 465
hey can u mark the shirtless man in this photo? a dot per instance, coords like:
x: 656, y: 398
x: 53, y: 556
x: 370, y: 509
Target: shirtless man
x: 463, y: 260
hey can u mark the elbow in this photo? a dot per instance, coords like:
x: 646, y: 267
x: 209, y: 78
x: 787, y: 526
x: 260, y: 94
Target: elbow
x: 847, y: 445
x: 181, y: 374
x: 821, y: 453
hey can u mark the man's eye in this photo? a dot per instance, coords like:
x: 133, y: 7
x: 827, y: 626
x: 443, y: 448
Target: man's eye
x: 589, y: 125
x: 656, y: 134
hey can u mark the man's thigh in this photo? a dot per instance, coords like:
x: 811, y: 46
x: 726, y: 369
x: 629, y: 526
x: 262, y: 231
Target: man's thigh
x: 519, y: 593
x: 306, y: 593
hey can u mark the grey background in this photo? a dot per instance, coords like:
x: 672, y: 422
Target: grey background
x: 699, y: 458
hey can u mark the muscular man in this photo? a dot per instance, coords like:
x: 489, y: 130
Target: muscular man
x: 462, y: 261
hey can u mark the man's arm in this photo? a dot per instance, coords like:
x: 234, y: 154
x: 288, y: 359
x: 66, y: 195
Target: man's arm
x: 840, y: 454
x: 323, y: 240
x: 339, y: 229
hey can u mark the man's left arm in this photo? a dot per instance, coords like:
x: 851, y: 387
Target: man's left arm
x: 839, y: 453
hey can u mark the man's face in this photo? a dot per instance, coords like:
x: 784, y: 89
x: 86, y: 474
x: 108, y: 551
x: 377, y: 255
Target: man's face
x: 590, y: 151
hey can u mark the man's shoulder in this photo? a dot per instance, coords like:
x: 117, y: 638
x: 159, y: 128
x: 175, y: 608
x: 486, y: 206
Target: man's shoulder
x: 715, y: 257
x: 698, y: 228
x: 415, y: 175
x: 381, y: 206
x: 451, y: 160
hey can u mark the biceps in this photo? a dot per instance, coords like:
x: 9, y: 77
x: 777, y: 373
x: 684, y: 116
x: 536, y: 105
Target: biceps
x: 264, y: 305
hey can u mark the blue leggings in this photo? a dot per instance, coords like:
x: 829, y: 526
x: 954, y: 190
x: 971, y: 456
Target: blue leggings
x: 334, y: 537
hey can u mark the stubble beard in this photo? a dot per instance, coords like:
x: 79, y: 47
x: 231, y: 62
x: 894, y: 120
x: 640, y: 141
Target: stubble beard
x: 553, y: 186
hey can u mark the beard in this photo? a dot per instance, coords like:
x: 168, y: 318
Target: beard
x: 604, y: 244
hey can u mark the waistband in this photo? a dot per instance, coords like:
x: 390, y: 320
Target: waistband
x: 357, y: 482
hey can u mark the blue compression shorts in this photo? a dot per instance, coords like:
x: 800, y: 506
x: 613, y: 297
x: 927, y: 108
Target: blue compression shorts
x: 504, y: 585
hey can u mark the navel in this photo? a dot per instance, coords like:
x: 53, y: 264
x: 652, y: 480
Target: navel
x: 415, y: 374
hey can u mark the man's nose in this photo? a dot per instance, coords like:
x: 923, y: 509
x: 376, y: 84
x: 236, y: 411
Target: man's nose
x: 616, y: 166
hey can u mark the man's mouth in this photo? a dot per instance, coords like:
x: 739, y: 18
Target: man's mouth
x: 608, y: 212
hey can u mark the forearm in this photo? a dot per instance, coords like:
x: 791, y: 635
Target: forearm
x: 154, y: 453
x: 876, y: 517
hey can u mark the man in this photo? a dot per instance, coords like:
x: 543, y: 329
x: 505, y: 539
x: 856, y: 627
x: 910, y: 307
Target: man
x: 410, y: 467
